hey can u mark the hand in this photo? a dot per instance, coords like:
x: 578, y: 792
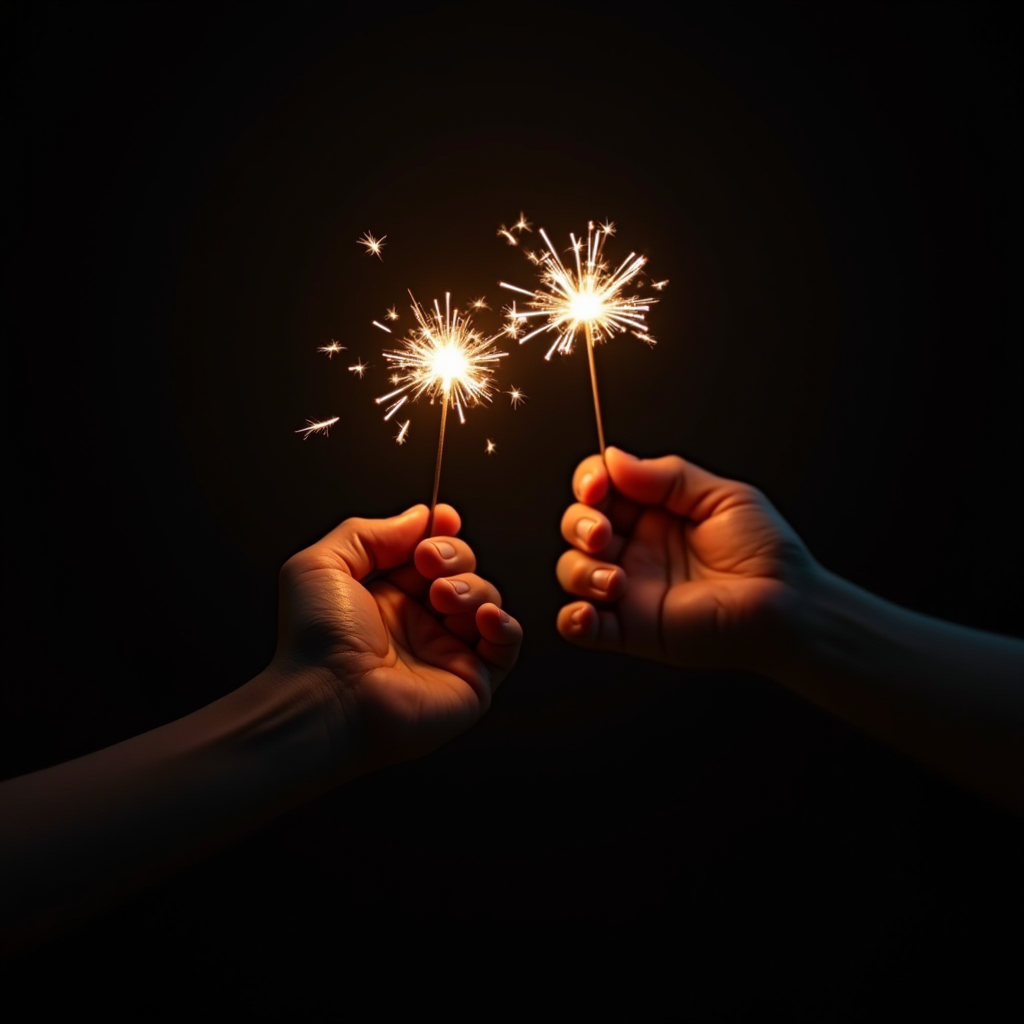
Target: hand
x: 407, y: 642
x: 689, y: 568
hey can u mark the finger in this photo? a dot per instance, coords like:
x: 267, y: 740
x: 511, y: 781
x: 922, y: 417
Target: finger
x: 501, y: 637
x: 584, y: 576
x: 672, y: 482
x: 455, y: 595
x: 362, y: 545
x: 582, y: 624
x: 586, y: 528
x: 443, y: 556
x: 407, y: 577
x: 590, y: 481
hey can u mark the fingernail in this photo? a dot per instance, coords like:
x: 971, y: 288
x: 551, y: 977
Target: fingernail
x: 577, y: 617
x: 600, y: 578
x: 505, y: 617
x: 583, y: 528
x: 459, y: 586
x: 444, y: 549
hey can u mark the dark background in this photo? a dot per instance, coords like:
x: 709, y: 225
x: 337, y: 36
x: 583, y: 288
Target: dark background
x: 833, y: 192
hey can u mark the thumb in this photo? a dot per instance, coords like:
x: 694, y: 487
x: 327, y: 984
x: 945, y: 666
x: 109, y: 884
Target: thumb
x: 670, y: 482
x: 362, y: 545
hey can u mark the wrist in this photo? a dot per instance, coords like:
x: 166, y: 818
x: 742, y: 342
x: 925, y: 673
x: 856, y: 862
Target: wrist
x: 289, y: 715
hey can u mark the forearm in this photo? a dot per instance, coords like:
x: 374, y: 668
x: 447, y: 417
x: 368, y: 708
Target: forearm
x: 949, y: 696
x: 80, y: 834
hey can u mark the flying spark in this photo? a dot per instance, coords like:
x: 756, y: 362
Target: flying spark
x: 403, y: 431
x: 659, y: 285
x: 479, y: 304
x: 359, y: 368
x: 491, y: 447
x: 522, y: 224
x: 373, y: 245
x: 583, y: 295
x: 503, y: 232
x: 518, y: 397
x: 377, y: 323
x: 331, y: 349
x: 391, y: 314
x: 317, y: 427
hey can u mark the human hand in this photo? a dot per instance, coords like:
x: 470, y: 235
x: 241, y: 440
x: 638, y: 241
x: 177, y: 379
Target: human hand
x: 689, y: 568
x: 407, y: 644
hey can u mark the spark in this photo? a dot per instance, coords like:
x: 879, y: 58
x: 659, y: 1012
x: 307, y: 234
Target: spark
x: 331, y: 349
x: 518, y: 397
x: 317, y: 427
x: 401, y: 435
x: 479, y: 304
x: 583, y: 294
x: 659, y: 285
x: 443, y: 357
x: 373, y: 245
x: 491, y: 447
x: 503, y: 232
x: 391, y: 314
x: 359, y: 368
x: 522, y: 224
x: 377, y: 323
x: 515, y: 319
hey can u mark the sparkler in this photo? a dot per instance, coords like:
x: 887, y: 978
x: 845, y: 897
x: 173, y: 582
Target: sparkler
x: 443, y: 357
x: 585, y: 296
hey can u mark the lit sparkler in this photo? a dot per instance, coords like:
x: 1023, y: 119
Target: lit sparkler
x: 317, y: 427
x: 445, y: 358
x: 584, y: 296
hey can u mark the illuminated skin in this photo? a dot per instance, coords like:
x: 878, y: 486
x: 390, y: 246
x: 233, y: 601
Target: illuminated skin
x: 389, y: 646
x: 675, y: 564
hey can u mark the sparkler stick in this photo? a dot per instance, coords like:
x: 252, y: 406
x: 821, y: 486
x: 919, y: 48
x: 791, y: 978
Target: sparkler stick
x: 442, y: 357
x: 593, y: 386
x: 437, y: 465
x: 584, y: 297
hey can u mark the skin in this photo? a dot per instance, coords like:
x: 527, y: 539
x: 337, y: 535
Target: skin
x: 390, y: 644
x: 675, y: 564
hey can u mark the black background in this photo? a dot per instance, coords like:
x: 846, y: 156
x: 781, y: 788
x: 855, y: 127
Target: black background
x: 833, y: 192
